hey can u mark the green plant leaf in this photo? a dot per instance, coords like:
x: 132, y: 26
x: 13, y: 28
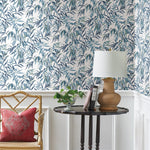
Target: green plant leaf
x: 59, y: 101
x: 81, y: 94
x: 68, y: 95
x: 61, y: 90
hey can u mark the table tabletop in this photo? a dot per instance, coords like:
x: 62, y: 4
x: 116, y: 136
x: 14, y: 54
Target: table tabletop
x: 78, y: 110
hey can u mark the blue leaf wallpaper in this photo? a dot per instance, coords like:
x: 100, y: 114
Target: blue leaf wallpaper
x: 142, y: 46
x: 48, y: 44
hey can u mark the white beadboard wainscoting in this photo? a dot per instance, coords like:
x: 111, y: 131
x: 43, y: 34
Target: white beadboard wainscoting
x: 129, y: 131
x: 142, y: 122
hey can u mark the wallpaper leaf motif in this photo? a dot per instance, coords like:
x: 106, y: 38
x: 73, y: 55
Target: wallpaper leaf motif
x: 142, y: 41
x: 50, y: 44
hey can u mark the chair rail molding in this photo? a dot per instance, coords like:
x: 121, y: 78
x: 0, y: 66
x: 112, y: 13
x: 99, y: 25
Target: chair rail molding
x: 52, y: 92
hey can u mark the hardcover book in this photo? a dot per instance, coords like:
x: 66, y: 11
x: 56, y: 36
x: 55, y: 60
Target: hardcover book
x: 93, y: 98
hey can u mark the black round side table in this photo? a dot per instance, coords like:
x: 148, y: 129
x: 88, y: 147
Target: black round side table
x: 78, y: 110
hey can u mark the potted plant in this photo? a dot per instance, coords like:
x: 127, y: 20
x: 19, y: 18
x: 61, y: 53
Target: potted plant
x: 68, y: 97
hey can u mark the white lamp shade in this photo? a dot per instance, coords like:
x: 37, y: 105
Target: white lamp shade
x: 110, y: 64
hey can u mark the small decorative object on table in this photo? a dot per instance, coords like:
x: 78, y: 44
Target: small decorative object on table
x: 91, y: 98
x: 68, y: 97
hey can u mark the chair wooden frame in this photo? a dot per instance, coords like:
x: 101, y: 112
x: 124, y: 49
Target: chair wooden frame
x: 38, y: 145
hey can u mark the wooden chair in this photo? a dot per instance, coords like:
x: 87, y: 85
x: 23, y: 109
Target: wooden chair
x: 16, y: 102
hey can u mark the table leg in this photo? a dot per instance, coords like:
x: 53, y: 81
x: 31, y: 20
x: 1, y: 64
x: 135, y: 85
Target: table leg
x: 82, y: 131
x: 90, y: 131
x: 97, y: 132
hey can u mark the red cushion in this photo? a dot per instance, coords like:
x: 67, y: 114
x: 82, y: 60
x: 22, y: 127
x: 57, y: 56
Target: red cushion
x: 18, y: 127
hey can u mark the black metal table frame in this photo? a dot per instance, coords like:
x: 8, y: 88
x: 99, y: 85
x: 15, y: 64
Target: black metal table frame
x: 96, y: 112
x: 90, y: 131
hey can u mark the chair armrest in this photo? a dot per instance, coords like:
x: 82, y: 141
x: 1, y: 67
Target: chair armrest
x: 40, y: 128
